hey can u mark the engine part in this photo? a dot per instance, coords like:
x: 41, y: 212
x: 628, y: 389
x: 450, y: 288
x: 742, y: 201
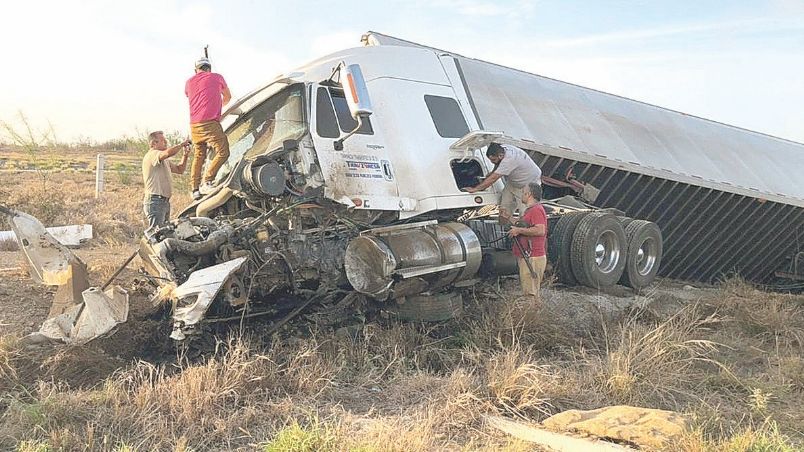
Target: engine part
x: 268, y: 178
x: 407, y: 259
x: 202, y: 248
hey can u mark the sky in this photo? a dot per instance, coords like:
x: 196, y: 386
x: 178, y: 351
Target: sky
x: 99, y: 70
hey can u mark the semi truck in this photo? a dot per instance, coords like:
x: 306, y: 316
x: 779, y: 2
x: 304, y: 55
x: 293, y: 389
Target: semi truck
x: 346, y: 176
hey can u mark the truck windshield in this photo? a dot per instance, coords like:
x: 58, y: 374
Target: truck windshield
x: 266, y: 126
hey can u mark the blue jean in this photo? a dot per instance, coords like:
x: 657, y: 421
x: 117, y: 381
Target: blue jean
x: 157, y: 211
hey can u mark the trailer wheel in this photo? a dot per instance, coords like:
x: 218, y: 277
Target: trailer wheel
x: 430, y: 308
x: 644, y: 253
x: 625, y: 221
x: 559, y: 246
x: 598, y: 250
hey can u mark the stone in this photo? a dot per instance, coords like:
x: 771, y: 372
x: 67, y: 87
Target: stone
x: 642, y: 426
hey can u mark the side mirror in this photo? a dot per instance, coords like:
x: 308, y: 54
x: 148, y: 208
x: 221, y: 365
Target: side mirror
x: 355, y: 90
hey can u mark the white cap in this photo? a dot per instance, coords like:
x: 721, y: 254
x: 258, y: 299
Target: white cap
x: 202, y: 62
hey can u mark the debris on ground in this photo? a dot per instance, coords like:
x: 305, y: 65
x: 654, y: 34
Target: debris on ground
x: 79, y: 313
x: 645, y: 427
x: 554, y: 441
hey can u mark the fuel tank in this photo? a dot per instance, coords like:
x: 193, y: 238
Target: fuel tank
x: 402, y: 260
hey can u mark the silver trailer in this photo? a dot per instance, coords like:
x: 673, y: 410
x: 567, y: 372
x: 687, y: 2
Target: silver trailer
x: 728, y: 200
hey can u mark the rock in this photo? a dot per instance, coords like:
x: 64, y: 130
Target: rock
x: 689, y: 287
x: 642, y: 426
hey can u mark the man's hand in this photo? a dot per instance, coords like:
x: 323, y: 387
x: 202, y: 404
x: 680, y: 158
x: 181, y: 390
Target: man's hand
x: 470, y: 190
x: 515, y: 231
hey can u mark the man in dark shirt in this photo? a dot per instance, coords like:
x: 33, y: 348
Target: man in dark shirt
x: 530, y: 239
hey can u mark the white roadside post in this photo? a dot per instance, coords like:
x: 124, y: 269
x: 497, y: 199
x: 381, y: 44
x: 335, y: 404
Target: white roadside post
x: 99, y: 176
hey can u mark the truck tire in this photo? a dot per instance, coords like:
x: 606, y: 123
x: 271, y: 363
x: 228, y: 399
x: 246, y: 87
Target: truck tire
x: 624, y: 221
x: 598, y: 250
x: 430, y: 308
x: 644, y: 253
x: 559, y: 245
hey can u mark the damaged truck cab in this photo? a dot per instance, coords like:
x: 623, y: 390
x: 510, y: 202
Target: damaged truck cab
x: 320, y: 188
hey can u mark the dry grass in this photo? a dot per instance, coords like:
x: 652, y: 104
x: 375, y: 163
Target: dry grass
x: 409, y: 387
x: 69, y: 198
x: 8, y: 245
x: 734, y: 362
x: 9, y: 351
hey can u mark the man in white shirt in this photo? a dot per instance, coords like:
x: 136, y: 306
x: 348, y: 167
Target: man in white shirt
x: 518, y: 170
x: 156, y: 176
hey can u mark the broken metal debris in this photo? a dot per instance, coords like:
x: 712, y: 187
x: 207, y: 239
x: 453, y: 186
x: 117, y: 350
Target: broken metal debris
x: 72, y: 235
x: 97, y: 315
x: 79, y: 313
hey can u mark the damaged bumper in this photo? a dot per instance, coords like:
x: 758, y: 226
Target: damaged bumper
x: 194, y: 297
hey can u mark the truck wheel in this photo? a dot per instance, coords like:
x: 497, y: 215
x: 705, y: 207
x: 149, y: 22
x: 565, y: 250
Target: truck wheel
x: 624, y: 221
x: 559, y: 245
x: 644, y: 253
x: 430, y: 308
x: 598, y: 250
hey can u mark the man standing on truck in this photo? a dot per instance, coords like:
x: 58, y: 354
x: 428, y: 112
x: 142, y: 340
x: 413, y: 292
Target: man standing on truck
x: 530, y: 236
x: 518, y: 169
x: 156, y: 171
x: 207, y: 93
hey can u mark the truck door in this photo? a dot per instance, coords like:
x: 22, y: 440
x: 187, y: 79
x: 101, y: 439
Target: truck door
x: 361, y: 173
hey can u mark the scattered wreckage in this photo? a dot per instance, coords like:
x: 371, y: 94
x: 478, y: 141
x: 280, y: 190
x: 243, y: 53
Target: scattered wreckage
x: 79, y: 313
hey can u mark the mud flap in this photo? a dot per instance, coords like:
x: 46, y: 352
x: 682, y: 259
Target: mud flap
x: 97, y: 315
x: 204, y: 285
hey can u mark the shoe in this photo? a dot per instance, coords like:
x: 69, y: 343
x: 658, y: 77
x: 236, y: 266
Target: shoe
x: 196, y: 195
x: 206, y: 188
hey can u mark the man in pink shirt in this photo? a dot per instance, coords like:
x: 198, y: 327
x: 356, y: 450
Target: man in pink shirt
x: 207, y: 93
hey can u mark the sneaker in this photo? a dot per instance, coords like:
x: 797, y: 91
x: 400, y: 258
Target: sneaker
x: 206, y: 188
x: 196, y: 195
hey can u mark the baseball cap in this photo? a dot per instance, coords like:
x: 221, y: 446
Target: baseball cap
x: 202, y: 62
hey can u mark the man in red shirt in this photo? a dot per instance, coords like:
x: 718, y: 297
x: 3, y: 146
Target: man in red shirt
x: 207, y: 93
x: 531, y: 239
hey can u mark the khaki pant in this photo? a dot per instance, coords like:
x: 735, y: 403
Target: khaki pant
x: 510, y: 202
x: 531, y: 283
x: 204, y: 135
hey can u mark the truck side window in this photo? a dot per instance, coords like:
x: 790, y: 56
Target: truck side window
x: 447, y: 116
x: 345, y: 119
x: 325, y: 123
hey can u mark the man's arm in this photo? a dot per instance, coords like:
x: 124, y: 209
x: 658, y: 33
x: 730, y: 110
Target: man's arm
x: 487, y: 182
x: 171, y: 151
x: 179, y: 169
x: 227, y: 95
x: 533, y: 231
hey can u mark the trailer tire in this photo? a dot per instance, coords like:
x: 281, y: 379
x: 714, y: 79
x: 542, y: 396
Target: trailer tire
x: 598, y: 250
x: 430, y: 308
x: 559, y: 246
x: 644, y: 254
x: 625, y: 221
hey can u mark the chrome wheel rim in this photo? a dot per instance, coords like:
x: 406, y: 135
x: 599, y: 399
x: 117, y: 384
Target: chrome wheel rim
x: 647, y: 255
x: 607, y: 251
